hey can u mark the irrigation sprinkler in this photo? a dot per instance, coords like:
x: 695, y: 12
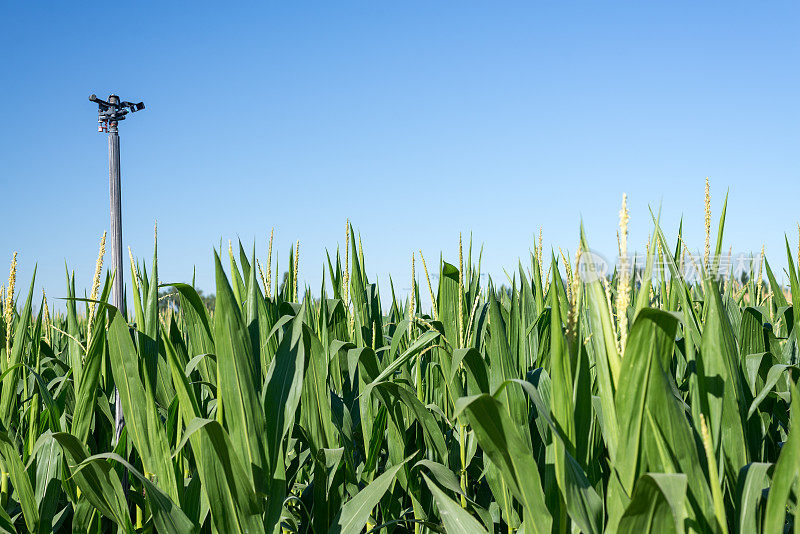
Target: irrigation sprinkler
x: 109, y: 113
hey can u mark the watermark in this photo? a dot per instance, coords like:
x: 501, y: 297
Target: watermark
x: 741, y: 267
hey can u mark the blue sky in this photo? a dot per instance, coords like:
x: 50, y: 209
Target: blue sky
x: 417, y: 120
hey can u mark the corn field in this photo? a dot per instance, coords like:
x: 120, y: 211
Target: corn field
x: 558, y: 401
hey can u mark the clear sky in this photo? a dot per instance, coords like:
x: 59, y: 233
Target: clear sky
x: 417, y: 120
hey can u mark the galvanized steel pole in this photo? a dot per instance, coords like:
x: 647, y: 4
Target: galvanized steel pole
x: 110, y: 112
x: 117, y: 290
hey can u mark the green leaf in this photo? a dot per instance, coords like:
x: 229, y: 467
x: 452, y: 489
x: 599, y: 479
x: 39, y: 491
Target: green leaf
x: 48, y: 482
x: 502, y: 363
x: 658, y: 436
x: 241, y: 410
x: 657, y: 505
x: 431, y: 432
x: 724, y: 383
x: 753, y: 480
x: 141, y: 417
x: 604, y: 344
x: 21, y: 481
x: 456, y: 520
x: 86, y: 394
x: 231, y: 497
x: 198, y: 329
x: 355, y: 512
x: 787, y: 471
x: 500, y: 439
x: 776, y: 288
x: 167, y: 516
x: 419, y: 344
x: 98, y: 482
x: 477, y: 374
x: 773, y: 375
x: 583, y: 503
x: 315, y: 403
x: 8, y: 397
x: 281, y: 397
x: 6, y: 523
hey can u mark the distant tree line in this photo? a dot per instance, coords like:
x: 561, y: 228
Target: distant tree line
x: 168, y: 298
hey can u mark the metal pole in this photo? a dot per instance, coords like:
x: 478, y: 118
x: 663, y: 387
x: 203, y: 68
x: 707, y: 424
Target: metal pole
x: 109, y: 113
x: 118, y: 295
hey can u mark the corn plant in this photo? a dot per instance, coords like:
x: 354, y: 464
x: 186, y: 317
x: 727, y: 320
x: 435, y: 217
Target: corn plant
x: 564, y: 400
